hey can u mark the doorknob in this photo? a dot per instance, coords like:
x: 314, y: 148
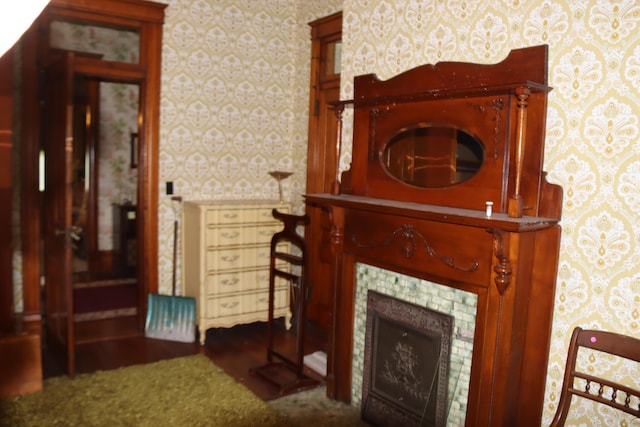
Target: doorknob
x: 73, y: 232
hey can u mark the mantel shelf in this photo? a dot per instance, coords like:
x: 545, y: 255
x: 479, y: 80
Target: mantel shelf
x: 468, y: 217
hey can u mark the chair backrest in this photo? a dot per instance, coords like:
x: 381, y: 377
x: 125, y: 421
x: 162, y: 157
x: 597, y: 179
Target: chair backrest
x: 606, y: 391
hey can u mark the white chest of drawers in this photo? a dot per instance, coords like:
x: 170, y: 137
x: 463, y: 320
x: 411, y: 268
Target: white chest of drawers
x: 226, y: 262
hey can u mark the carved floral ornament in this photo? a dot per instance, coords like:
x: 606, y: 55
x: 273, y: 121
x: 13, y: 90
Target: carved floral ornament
x: 411, y: 240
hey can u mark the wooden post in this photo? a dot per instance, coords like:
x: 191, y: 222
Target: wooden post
x: 335, y: 187
x: 515, y: 200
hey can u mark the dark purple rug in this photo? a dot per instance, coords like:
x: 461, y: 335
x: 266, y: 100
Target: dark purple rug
x: 104, y: 299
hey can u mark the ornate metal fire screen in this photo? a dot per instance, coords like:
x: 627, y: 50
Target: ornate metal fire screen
x: 406, y: 368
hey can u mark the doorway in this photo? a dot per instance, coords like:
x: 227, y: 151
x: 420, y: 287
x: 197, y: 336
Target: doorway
x: 90, y: 230
x: 104, y: 176
x: 90, y: 244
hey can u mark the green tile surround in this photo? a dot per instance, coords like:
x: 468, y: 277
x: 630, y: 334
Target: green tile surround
x: 460, y: 304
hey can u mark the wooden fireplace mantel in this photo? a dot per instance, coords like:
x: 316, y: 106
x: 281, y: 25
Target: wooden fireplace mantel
x: 443, y: 234
x: 436, y: 213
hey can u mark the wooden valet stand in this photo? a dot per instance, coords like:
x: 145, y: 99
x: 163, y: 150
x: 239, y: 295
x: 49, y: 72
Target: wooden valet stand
x: 291, y: 268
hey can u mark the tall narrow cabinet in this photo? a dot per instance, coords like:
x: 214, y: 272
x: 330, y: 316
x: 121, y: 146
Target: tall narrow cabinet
x: 226, y: 262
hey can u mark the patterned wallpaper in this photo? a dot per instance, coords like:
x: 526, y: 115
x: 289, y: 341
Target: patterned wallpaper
x: 235, y: 94
x: 117, y: 182
x: 593, y: 141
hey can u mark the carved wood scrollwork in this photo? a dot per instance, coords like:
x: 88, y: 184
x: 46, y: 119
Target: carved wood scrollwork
x: 503, y: 268
x: 336, y: 219
x: 373, y: 114
x: 409, y: 245
x: 498, y: 105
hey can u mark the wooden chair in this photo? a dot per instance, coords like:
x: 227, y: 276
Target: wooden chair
x: 602, y: 390
x: 291, y: 268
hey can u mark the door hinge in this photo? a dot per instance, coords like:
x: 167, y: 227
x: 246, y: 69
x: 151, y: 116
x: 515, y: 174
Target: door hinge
x: 316, y: 108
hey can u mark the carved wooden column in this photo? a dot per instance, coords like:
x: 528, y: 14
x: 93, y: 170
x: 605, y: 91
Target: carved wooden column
x: 338, y: 109
x: 515, y: 200
x: 336, y: 333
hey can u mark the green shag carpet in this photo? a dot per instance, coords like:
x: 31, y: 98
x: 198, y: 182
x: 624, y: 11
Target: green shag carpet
x: 187, y: 391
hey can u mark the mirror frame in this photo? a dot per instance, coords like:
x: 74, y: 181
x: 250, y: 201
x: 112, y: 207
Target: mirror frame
x: 503, y: 105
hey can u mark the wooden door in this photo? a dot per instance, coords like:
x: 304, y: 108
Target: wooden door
x: 6, y: 249
x: 57, y: 140
x: 326, y: 34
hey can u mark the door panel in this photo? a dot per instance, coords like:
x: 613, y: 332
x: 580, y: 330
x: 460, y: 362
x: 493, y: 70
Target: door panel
x: 321, y: 163
x: 319, y: 229
x: 57, y: 140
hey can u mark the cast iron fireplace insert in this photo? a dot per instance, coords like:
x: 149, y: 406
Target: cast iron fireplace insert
x: 406, y: 364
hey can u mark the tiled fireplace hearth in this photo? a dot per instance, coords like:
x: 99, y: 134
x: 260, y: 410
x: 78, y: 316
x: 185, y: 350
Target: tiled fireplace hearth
x: 461, y: 305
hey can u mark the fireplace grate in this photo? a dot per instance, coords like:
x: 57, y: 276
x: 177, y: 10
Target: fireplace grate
x: 406, y: 365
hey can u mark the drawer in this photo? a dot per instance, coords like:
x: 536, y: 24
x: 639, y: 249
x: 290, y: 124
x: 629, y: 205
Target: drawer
x: 230, y: 216
x: 240, y: 281
x: 239, y: 258
x: 224, y: 236
x: 264, y: 233
x: 263, y: 254
x: 243, y: 215
x: 262, y: 281
x: 233, y: 259
x: 225, y: 306
x: 260, y: 301
x: 227, y: 283
x: 266, y: 214
x: 241, y: 235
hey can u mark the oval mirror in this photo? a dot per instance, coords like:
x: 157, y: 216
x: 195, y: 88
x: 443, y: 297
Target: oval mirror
x: 432, y: 155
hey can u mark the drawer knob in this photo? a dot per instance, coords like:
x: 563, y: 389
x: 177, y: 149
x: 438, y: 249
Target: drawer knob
x: 230, y: 305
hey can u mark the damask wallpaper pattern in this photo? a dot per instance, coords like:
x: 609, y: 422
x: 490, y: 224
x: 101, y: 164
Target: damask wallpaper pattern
x: 235, y: 94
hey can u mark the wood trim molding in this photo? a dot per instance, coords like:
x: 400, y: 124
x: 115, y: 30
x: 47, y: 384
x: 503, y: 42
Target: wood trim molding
x: 147, y: 18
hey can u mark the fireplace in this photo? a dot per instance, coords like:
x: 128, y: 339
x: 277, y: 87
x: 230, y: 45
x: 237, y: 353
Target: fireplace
x: 489, y: 236
x: 406, y: 363
x: 457, y: 305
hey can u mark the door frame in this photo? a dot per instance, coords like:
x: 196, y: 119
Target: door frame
x: 147, y: 19
x: 321, y: 162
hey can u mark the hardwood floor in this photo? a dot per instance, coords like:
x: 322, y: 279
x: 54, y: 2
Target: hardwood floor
x: 236, y: 350
x: 241, y: 348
